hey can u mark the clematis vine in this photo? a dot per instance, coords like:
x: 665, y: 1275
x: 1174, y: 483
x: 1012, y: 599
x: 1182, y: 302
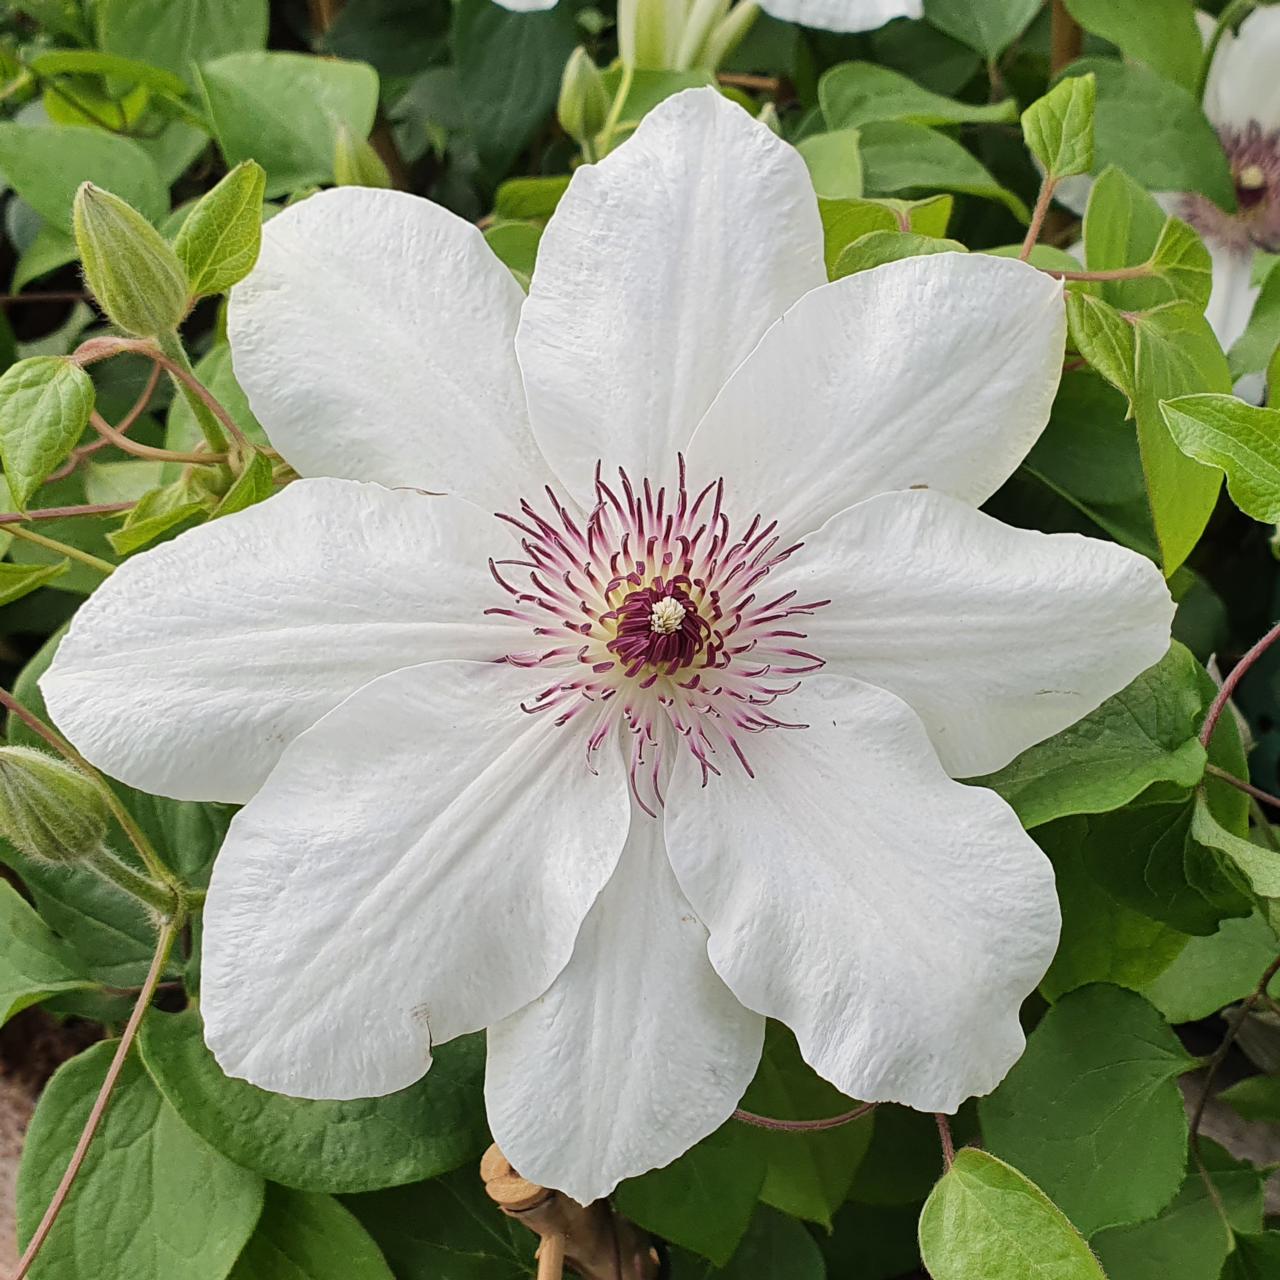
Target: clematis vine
x: 669, y: 745
x: 833, y: 15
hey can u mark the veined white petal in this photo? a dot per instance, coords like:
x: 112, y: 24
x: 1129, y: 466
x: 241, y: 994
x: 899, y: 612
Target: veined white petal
x: 997, y: 637
x: 892, y: 918
x: 637, y: 1051
x: 1242, y: 85
x: 660, y: 269
x: 527, y: 6
x: 843, y: 15
x: 193, y: 666
x: 374, y: 339
x: 936, y: 371
x: 417, y: 866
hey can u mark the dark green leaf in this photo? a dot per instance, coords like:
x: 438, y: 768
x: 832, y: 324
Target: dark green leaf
x: 1161, y: 33
x: 152, y: 1202
x: 989, y: 26
x: 1255, y: 1257
x: 529, y: 199
x: 775, y: 1246
x: 34, y: 961
x: 175, y: 34
x: 420, y: 1132
x: 1098, y: 1082
x: 302, y: 1236
x: 1256, y: 1098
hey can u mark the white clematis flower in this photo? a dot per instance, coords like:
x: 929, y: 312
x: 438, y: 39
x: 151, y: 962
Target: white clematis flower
x: 832, y: 15
x: 662, y: 751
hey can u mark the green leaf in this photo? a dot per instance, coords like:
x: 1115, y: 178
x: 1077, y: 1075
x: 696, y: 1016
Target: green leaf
x: 516, y: 244
x: 163, y: 512
x: 529, y: 199
x: 284, y: 110
x: 1253, y: 350
x: 1234, y: 437
x: 1155, y: 131
x: 989, y: 26
x: 808, y: 1175
x: 1161, y: 33
x: 878, y: 247
x: 1098, y: 1081
x: 844, y: 221
x: 1256, y: 1257
x: 1144, y: 734
x: 509, y: 66
x: 76, y: 62
x: 1189, y: 1240
x: 420, y: 1132
x: 986, y: 1219
x: 18, y: 580
x: 834, y: 163
x: 1059, y: 127
x: 906, y: 157
x: 1102, y: 940
x: 903, y: 1160
x: 219, y: 241
x: 356, y: 163
x: 1256, y: 1098
x: 775, y: 1246
x: 648, y: 88
x: 1214, y: 971
x: 1258, y: 866
x: 45, y: 164
x: 301, y: 1236
x: 152, y: 1202
x: 254, y: 484
x: 34, y: 962
x: 857, y: 93
x: 175, y: 34
x: 52, y: 248
x: 45, y: 404
x: 446, y: 1229
x: 1104, y: 337
x: 1181, y: 260
x: 704, y: 1200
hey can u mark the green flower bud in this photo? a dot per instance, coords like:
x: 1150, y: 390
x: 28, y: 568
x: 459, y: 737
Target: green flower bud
x: 356, y: 163
x: 584, y: 101
x: 128, y: 264
x: 49, y: 809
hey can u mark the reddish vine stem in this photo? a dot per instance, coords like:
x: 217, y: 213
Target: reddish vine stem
x: 65, y: 513
x: 1037, y: 216
x: 164, y: 944
x: 1140, y: 272
x: 61, y: 295
x: 944, y: 1136
x: 113, y: 435
x: 804, y: 1126
x: 139, y: 407
x: 1234, y: 676
x: 1241, y: 785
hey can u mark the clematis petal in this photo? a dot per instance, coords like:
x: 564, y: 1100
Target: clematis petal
x: 997, y: 637
x: 374, y: 340
x: 637, y: 1051
x: 932, y: 371
x: 658, y: 272
x: 1242, y: 86
x: 416, y: 867
x: 527, y: 6
x: 892, y: 918
x: 247, y: 630
x: 843, y: 15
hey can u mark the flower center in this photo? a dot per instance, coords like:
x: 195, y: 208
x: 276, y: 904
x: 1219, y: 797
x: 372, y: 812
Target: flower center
x: 1254, y: 157
x: 653, y: 624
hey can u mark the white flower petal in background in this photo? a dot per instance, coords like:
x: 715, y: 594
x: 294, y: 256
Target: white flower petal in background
x: 193, y: 666
x: 934, y: 371
x: 416, y: 867
x: 527, y: 6
x: 636, y: 1052
x: 843, y: 15
x: 661, y: 268
x: 1243, y: 86
x: 374, y: 341
x: 892, y: 918
x: 997, y: 637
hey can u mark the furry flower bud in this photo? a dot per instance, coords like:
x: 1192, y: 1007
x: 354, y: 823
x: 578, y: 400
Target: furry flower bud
x: 584, y: 101
x: 49, y: 809
x: 128, y: 264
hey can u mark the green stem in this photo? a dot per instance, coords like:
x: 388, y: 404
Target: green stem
x: 103, y: 567
x: 1228, y: 18
x: 134, y: 883
x: 605, y: 137
x: 172, y: 347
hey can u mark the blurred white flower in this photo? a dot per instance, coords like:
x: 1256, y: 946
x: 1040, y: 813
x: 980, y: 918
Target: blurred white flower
x: 670, y: 746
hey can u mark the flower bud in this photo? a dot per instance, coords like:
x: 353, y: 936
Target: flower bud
x: 356, y: 163
x: 128, y: 264
x: 584, y: 101
x: 49, y: 809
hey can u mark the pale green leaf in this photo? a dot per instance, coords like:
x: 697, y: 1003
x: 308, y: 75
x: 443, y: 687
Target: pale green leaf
x: 878, y: 247
x: 1059, y: 127
x: 844, y: 221
x: 985, y: 1219
x: 18, y: 580
x: 45, y: 404
x: 834, y: 163
x: 857, y: 93
x: 219, y: 241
